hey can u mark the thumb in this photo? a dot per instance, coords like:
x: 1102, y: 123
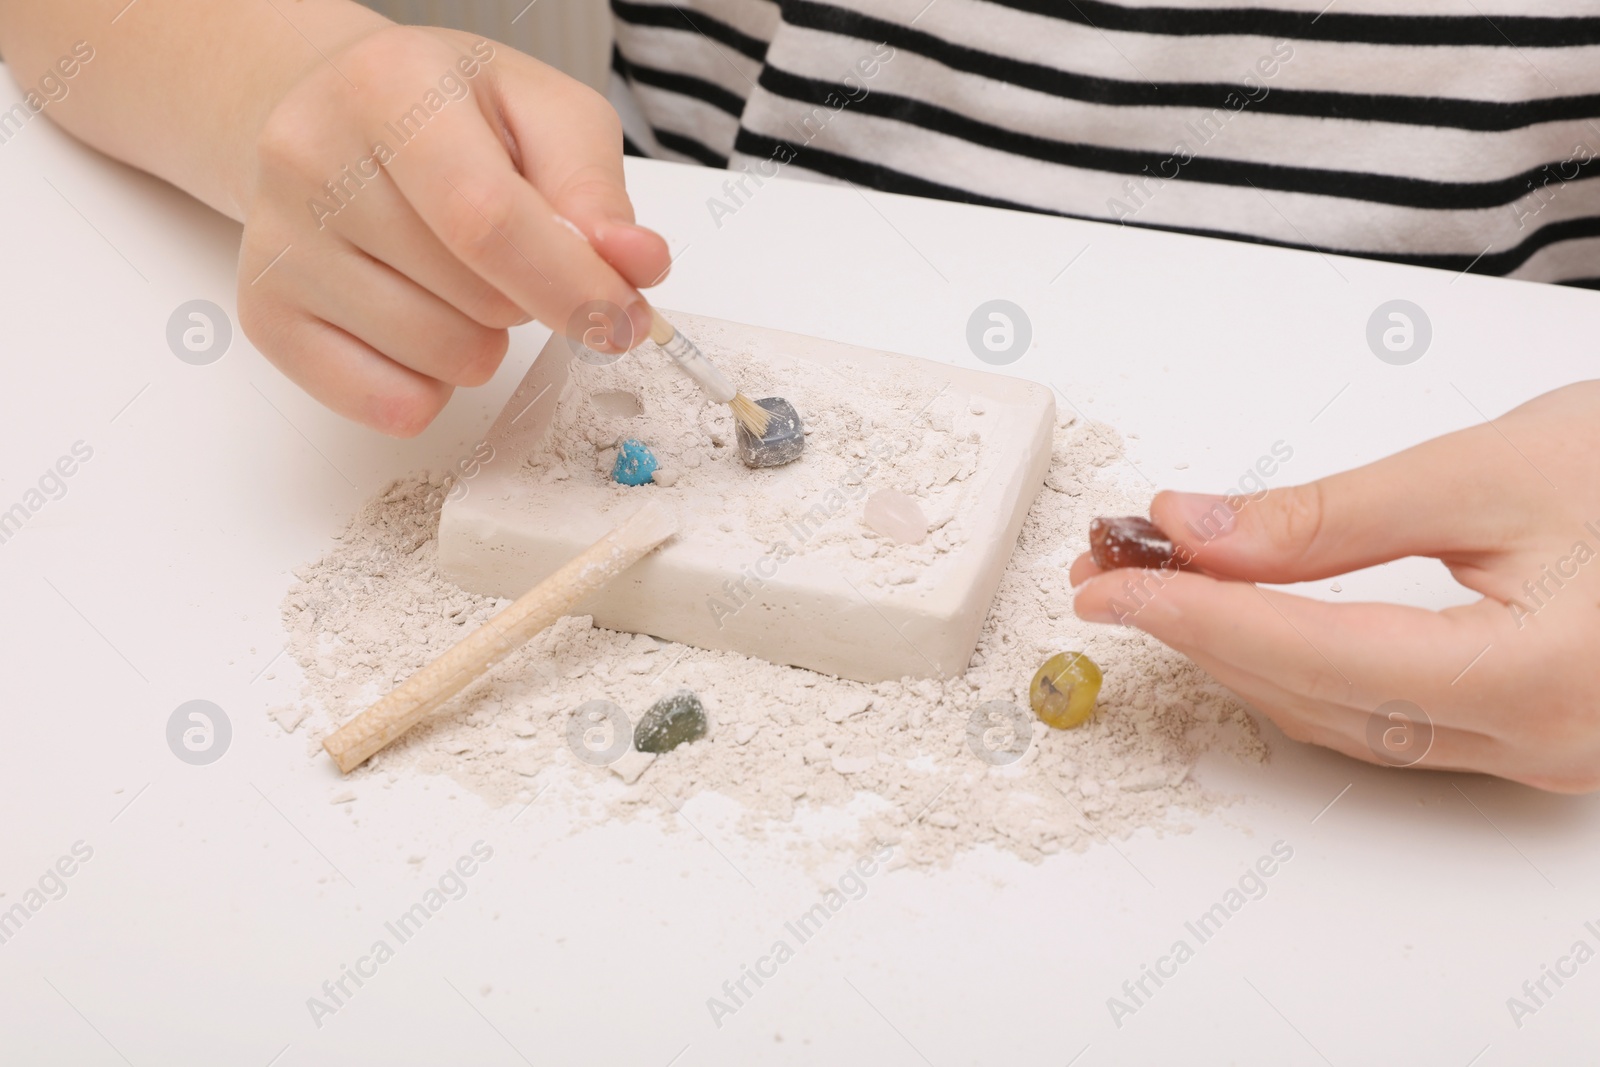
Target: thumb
x: 1452, y: 495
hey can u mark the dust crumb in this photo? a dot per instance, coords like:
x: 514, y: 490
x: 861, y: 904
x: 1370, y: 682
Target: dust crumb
x: 289, y: 716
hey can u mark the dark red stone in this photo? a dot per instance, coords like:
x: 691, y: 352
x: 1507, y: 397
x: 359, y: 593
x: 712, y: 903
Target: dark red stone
x: 1128, y: 541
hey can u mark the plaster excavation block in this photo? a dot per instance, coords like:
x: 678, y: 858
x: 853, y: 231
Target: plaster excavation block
x: 772, y: 562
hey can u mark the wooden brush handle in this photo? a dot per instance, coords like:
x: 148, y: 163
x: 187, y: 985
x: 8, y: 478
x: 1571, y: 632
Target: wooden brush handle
x: 691, y: 360
x: 384, y: 722
x: 661, y: 330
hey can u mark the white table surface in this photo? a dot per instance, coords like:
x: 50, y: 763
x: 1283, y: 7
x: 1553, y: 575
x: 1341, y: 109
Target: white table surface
x: 219, y: 898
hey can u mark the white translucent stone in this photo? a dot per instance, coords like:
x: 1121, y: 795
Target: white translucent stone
x: 892, y: 514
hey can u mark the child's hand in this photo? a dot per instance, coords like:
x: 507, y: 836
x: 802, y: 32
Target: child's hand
x: 1511, y: 683
x: 407, y: 206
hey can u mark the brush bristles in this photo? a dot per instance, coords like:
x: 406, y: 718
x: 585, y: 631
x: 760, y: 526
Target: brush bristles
x: 751, y: 416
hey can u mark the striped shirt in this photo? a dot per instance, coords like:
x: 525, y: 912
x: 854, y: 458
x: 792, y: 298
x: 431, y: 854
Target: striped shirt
x: 1459, y: 134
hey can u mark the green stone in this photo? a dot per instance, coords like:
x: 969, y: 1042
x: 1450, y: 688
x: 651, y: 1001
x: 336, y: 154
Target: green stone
x: 670, y: 722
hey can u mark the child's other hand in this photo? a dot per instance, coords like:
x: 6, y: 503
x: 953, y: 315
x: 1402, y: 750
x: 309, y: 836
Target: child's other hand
x: 1510, y: 683
x: 407, y: 206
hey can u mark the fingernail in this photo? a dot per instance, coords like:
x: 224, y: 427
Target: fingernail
x: 569, y: 224
x: 1092, y: 608
x: 642, y: 318
x: 605, y: 229
x: 523, y: 321
x: 1203, y: 517
x: 1096, y: 612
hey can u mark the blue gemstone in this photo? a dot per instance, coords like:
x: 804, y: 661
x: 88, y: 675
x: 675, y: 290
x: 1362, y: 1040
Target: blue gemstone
x: 635, y: 463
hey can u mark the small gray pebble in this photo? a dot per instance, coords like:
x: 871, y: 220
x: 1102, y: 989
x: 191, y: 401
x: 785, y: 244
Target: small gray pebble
x: 783, y: 442
x: 670, y: 722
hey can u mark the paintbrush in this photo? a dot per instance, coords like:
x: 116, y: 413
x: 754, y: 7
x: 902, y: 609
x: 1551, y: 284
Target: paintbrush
x: 693, y: 362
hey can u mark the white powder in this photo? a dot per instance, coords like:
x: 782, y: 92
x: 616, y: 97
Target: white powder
x: 893, y: 758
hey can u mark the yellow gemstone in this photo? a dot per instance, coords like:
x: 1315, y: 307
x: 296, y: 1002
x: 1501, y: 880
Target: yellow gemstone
x: 1064, y: 690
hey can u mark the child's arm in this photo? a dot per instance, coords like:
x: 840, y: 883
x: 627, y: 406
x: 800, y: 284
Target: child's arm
x: 410, y: 188
x: 180, y: 88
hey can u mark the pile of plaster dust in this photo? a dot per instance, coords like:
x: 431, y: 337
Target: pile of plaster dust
x: 889, y: 761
